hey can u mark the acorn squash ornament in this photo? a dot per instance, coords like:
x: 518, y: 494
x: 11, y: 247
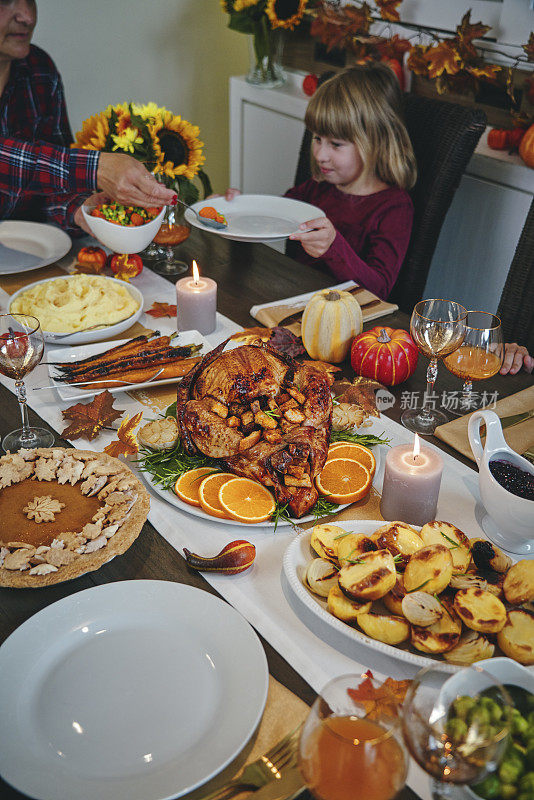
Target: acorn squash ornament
x: 330, y: 321
x: 388, y: 355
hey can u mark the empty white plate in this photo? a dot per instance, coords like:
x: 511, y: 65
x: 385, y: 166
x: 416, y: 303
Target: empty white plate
x: 135, y: 690
x: 30, y: 245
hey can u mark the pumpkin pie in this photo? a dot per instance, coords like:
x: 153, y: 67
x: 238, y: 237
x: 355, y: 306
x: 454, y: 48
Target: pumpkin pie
x: 64, y: 512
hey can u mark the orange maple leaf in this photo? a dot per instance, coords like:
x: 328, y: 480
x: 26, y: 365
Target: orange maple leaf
x: 380, y: 701
x: 388, y: 9
x: 394, y: 47
x: 488, y: 71
x: 443, y: 58
x: 417, y: 62
x: 468, y: 30
x: 126, y: 443
x: 161, y: 310
x: 529, y: 47
x: 88, y: 419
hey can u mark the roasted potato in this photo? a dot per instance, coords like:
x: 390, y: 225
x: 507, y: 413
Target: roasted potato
x: 480, y: 610
x: 471, y: 647
x: 487, y: 556
x: 385, y: 627
x: 421, y: 608
x: 443, y: 635
x: 429, y: 568
x: 519, y: 583
x: 324, y: 540
x: 352, y: 546
x: 516, y: 639
x: 393, y: 599
x: 371, y: 578
x: 321, y: 575
x: 345, y: 609
x: 400, y: 539
x: 437, y: 532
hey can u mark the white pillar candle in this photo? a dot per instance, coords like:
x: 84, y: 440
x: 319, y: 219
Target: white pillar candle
x: 412, y: 478
x: 196, y: 303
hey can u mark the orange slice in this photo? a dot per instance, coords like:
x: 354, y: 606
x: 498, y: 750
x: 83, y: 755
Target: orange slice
x: 344, y: 480
x: 246, y: 501
x: 355, y: 452
x: 208, y: 493
x: 188, y: 484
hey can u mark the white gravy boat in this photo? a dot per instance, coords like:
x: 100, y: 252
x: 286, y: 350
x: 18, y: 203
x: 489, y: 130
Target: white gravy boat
x: 512, y: 516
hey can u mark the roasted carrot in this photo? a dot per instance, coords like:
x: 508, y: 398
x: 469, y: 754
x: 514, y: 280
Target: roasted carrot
x: 175, y: 370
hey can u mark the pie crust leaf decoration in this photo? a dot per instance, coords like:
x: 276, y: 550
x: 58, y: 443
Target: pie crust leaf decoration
x: 43, y: 508
x: 161, y: 310
x: 381, y: 701
x: 126, y: 443
x: 88, y: 419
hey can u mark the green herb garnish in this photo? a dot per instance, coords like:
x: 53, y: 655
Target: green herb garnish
x: 271, y: 413
x: 417, y: 588
x: 365, y: 439
x: 451, y: 541
x: 322, y: 507
x: 166, y: 466
x: 342, y: 535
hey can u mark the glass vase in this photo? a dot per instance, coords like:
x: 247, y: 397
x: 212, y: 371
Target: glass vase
x: 161, y: 254
x: 265, y: 48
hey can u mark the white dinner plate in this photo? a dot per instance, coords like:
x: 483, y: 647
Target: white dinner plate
x: 128, y: 691
x: 69, y: 355
x: 296, y: 559
x: 98, y: 334
x: 30, y: 245
x: 256, y: 217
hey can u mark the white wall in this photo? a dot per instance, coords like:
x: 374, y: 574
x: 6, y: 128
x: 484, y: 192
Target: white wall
x: 177, y: 53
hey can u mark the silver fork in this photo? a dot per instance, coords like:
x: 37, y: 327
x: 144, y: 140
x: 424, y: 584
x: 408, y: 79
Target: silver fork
x: 104, y: 380
x: 265, y: 769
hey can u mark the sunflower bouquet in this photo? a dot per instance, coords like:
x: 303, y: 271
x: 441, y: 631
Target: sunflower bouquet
x: 167, y: 144
x: 263, y: 19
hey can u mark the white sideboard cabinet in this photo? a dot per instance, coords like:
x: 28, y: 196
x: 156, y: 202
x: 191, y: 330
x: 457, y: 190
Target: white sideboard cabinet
x: 482, y: 227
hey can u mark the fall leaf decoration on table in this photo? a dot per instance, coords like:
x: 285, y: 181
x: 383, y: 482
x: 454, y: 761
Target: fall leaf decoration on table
x: 381, y: 701
x: 251, y: 335
x: 88, y: 419
x: 359, y: 392
x: 88, y: 269
x: 126, y: 443
x: 285, y: 341
x: 161, y: 310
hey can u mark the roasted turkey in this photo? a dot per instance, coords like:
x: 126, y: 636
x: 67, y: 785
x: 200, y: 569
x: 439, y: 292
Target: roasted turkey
x: 263, y: 415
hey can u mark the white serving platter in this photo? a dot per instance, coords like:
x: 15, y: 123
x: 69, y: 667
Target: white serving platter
x: 128, y: 691
x: 256, y: 217
x: 30, y: 245
x: 68, y: 354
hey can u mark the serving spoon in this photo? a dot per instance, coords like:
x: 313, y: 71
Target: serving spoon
x: 209, y: 223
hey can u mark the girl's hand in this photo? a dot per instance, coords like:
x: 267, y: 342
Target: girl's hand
x: 515, y: 357
x: 315, y: 236
x: 228, y: 195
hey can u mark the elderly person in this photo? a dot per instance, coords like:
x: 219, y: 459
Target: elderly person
x: 41, y: 177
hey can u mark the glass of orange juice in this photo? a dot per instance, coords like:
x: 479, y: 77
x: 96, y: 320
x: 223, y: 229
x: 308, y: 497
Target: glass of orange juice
x: 348, y: 751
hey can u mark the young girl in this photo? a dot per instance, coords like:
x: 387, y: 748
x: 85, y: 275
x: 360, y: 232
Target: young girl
x: 362, y: 165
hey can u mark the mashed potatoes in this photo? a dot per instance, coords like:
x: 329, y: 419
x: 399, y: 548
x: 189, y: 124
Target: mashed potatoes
x: 70, y: 304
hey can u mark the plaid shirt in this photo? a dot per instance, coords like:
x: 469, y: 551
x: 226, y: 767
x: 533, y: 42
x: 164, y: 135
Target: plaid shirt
x: 41, y: 178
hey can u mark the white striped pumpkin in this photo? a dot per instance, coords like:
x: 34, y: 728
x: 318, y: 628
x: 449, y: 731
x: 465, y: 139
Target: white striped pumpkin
x: 330, y: 322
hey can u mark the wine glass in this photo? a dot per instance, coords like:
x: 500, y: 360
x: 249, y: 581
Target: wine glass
x: 21, y: 349
x: 456, y: 726
x: 437, y: 327
x: 160, y: 254
x: 480, y: 355
x: 347, y: 754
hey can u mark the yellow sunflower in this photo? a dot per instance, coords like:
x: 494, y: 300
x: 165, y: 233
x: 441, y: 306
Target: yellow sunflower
x: 93, y: 133
x: 285, y: 13
x: 176, y: 143
x: 239, y: 5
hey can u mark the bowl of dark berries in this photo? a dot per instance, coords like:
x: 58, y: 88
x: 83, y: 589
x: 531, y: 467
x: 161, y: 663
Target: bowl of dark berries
x: 506, y: 483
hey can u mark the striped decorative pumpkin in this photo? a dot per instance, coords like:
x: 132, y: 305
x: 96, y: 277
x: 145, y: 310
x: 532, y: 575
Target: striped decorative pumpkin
x: 330, y: 321
x: 386, y: 354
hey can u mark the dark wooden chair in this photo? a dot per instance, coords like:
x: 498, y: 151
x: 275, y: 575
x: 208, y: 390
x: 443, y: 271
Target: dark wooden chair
x: 444, y: 137
x: 516, y: 307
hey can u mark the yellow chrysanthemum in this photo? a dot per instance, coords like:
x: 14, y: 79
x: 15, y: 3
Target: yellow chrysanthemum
x: 126, y: 140
x: 180, y: 149
x: 285, y: 13
x: 148, y: 110
x: 239, y: 5
x: 93, y: 133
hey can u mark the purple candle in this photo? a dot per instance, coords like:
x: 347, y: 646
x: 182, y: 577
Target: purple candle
x: 196, y: 303
x: 412, y: 478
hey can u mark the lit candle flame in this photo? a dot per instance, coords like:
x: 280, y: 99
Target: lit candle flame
x: 195, y: 272
x: 416, y: 447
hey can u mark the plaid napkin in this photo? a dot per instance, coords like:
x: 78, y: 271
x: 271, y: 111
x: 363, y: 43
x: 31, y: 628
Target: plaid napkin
x: 519, y: 437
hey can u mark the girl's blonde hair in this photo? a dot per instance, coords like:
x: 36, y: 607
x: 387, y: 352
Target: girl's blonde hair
x: 363, y: 105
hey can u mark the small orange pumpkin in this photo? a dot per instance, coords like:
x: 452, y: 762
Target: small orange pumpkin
x: 386, y: 354
x: 526, y: 148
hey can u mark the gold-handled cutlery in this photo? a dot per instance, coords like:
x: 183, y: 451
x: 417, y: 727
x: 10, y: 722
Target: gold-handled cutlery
x: 269, y: 767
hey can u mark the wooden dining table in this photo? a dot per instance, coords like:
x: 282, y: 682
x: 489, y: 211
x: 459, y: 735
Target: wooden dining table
x: 246, y: 274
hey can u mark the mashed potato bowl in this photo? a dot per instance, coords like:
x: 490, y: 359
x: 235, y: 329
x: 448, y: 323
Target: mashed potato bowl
x: 119, y: 238
x: 66, y: 306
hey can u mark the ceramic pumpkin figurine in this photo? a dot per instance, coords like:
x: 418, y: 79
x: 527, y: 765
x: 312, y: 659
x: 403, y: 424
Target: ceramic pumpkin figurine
x: 330, y: 321
x: 526, y: 148
x: 385, y: 354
